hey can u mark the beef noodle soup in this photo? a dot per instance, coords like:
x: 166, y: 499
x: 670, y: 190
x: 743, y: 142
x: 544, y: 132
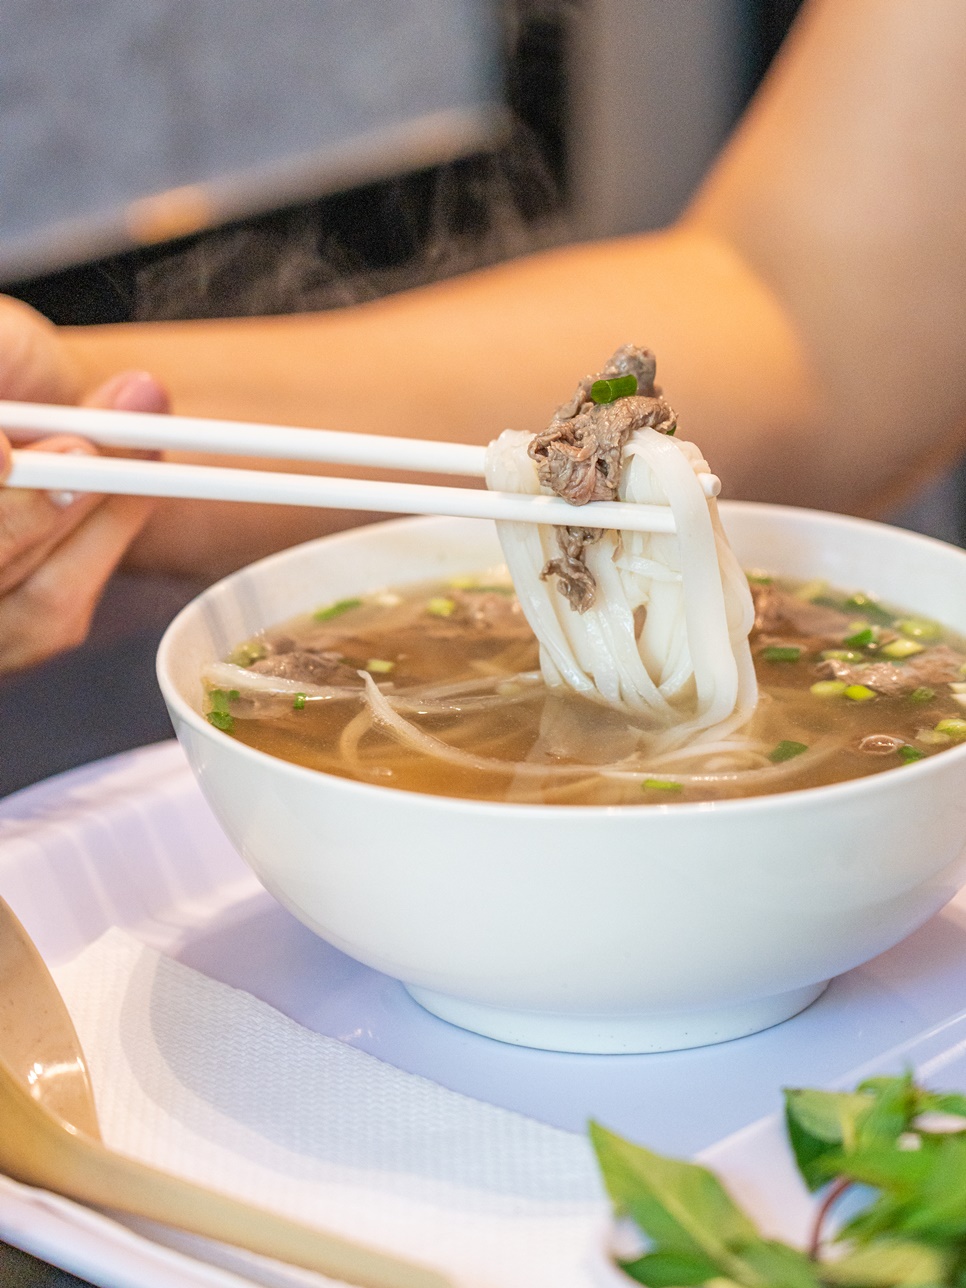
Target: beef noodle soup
x: 600, y: 666
x: 436, y: 688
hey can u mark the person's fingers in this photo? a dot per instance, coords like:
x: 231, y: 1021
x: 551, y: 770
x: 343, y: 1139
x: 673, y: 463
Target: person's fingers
x: 130, y: 391
x: 57, y: 549
x: 34, y: 365
x: 51, y: 608
x: 33, y: 522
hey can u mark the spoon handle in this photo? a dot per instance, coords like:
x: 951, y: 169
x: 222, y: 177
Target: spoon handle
x: 36, y: 1149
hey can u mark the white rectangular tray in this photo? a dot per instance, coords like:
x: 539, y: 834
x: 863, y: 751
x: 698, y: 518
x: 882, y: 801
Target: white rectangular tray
x: 130, y: 842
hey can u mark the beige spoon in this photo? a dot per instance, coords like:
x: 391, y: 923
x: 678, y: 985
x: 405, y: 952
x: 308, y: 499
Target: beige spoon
x: 49, y: 1138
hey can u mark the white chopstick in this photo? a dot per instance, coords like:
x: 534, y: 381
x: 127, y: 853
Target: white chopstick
x: 57, y: 471
x: 243, y: 438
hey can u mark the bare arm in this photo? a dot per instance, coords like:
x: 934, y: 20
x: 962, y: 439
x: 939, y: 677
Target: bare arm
x: 845, y: 193
x: 463, y: 360
x: 808, y: 312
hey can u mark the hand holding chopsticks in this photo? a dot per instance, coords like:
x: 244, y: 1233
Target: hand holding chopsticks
x: 50, y: 471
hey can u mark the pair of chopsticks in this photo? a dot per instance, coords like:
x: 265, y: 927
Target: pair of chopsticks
x: 56, y: 471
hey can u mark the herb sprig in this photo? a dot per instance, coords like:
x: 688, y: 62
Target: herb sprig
x: 905, y: 1144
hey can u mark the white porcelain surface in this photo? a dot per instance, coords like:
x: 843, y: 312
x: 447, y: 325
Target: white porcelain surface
x: 580, y: 928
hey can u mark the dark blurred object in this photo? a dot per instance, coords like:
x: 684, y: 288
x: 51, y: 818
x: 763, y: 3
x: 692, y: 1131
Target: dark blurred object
x: 768, y: 24
x: 655, y: 90
x: 98, y: 699
x: 127, y: 122
x: 18, y: 1270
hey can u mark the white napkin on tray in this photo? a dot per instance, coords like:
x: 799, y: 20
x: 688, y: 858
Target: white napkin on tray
x: 203, y: 1080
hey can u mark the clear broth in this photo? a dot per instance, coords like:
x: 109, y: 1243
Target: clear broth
x: 410, y: 638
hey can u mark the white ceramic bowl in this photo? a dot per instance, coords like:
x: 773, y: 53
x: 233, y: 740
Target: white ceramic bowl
x: 579, y: 928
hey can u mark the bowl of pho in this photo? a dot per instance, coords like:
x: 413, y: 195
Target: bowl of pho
x: 593, y: 790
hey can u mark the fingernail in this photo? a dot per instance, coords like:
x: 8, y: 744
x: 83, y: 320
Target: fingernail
x: 134, y: 391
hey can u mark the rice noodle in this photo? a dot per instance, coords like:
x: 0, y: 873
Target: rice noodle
x: 688, y: 676
x: 350, y: 738
x: 408, y: 733
x: 225, y: 675
x: 628, y: 771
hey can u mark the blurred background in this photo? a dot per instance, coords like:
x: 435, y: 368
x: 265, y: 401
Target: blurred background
x: 388, y: 142
x: 212, y: 158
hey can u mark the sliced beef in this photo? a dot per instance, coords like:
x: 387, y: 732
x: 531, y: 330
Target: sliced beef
x: 488, y: 612
x: 313, y: 667
x: 574, y: 579
x: 629, y: 360
x: 578, y: 457
x: 777, y: 612
x: 938, y: 665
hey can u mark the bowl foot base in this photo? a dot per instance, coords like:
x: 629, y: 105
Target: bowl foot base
x: 633, y: 1034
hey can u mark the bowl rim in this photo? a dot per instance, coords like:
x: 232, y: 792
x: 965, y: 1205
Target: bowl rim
x: 857, y: 787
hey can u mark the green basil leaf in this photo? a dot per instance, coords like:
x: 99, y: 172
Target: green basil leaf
x: 681, y: 1207
x: 888, y: 1264
x: 670, y: 1270
x: 821, y: 1125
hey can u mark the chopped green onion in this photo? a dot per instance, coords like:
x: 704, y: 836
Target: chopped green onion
x: 220, y: 698
x: 781, y: 653
x: 219, y: 715
x: 606, y: 391
x: 859, y: 692
x: 758, y: 578
x: 298, y: 702
x: 246, y: 654
x: 842, y: 655
x: 828, y: 688
x: 922, y: 694
x: 440, y: 607
x: 811, y: 590
x: 954, y: 728
x: 380, y: 665
x: 335, y: 610
x: 861, y: 639
x: 786, y: 750
x: 932, y: 738
x: 902, y: 648
x: 870, y: 606
x: 919, y: 629
x: 907, y: 754
x: 661, y: 785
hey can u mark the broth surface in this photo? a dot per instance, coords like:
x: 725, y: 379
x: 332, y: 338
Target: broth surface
x: 459, y: 664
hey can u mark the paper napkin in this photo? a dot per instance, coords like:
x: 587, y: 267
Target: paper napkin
x: 203, y: 1080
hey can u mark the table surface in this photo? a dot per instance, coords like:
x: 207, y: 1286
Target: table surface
x: 19, y: 1270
